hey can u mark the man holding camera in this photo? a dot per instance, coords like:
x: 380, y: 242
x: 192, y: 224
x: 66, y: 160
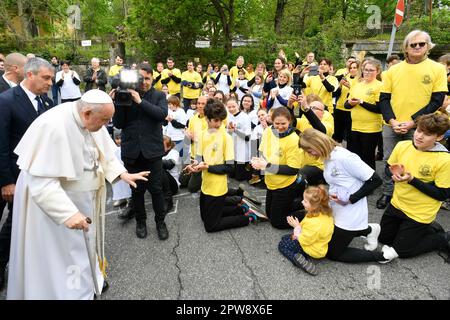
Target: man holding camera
x: 142, y: 146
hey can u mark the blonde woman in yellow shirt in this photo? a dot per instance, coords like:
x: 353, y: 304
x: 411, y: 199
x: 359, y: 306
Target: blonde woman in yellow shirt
x: 366, y: 116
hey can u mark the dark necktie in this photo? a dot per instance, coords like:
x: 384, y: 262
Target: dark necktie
x: 41, y: 108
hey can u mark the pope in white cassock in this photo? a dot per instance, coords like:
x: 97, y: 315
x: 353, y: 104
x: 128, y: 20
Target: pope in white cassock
x: 65, y: 157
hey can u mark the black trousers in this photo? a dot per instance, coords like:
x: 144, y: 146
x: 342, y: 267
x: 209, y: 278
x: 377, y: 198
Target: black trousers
x: 169, y: 185
x: 5, y: 236
x: 187, y: 104
x: 241, y: 171
x: 364, y: 145
x: 408, y: 237
x: 218, y: 215
x: 342, y: 125
x: 153, y: 185
x: 338, y: 249
x: 280, y: 204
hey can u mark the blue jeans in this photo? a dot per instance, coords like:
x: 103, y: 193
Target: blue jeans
x: 55, y: 92
x: 289, y: 248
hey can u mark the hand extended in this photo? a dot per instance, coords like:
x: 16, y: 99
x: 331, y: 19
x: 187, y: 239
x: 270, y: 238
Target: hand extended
x: 335, y: 198
x: 131, y: 178
x: 8, y: 192
x: 405, y: 177
x: 77, y: 221
x: 258, y: 163
x: 293, y: 221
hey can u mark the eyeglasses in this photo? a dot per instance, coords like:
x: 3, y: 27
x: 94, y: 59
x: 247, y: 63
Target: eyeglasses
x: 414, y: 45
x: 317, y: 108
x: 369, y: 70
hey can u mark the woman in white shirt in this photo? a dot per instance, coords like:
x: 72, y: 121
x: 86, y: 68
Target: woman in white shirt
x: 351, y: 180
x: 223, y: 80
x: 69, y: 82
x: 279, y: 96
x: 248, y: 106
x: 240, y: 129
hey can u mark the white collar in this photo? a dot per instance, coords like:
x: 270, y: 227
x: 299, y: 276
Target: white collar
x: 30, y: 94
x: 12, y: 84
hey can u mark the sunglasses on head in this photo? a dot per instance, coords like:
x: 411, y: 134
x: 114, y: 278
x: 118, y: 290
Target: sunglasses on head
x: 420, y: 44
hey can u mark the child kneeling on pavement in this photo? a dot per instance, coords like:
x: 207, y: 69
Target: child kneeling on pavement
x: 311, y: 236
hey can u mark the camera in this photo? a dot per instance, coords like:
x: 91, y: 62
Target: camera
x: 297, y: 89
x: 314, y: 71
x: 126, y: 79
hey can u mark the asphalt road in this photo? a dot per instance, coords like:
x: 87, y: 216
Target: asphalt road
x: 245, y: 264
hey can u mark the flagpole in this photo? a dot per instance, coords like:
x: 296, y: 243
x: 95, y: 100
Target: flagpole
x: 391, y: 42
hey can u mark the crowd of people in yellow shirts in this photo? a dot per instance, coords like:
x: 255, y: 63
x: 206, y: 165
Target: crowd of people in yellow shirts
x: 285, y: 130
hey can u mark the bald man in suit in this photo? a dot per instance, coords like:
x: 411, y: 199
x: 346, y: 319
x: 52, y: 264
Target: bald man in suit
x: 19, y: 107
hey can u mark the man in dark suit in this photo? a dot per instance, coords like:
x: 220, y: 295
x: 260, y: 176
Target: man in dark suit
x: 143, y: 148
x: 13, y: 75
x: 19, y: 107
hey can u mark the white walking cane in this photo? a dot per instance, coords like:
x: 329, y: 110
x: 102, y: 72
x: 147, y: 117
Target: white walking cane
x: 92, y: 262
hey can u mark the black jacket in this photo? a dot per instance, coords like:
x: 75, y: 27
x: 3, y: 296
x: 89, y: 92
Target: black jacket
x: 102, y: 79
x: 3, y: 85
x: 142, y: 126
x: 16, y: 115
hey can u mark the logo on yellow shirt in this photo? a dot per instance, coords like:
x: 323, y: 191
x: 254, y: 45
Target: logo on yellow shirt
x: 279, y: 153
x: 425, y: 170
x: 426, y: 79
x: 370, y: 92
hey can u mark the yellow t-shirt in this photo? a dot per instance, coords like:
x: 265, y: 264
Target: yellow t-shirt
x: 280, y: 151
x: 216, y: 147
x: 428, y: 166
x: 411, y: 86
x: 316, y: 234
x: 174, y: 87
x: 327, y: 120
x: 316, y: 86
x: 196, y: 127
x: 157, y: 85
x: 190, y: 93
x: 234, y: 73
x: 114, y: 70
x: 344, y: 94
x: 364, y: 120
x: 342, y: 71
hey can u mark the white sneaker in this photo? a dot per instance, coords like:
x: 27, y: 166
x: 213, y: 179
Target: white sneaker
x: 372, y: 237
x: 389, y: 254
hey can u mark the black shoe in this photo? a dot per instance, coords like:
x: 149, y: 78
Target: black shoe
x: 383, y: 201
x: 163, y: 233
x: 2, y: 277
x: 126, y: 214
x: 141, y: 229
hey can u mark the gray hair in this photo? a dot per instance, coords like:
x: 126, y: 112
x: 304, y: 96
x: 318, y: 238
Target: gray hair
x: 33, y: 65
x: 414, y: 34
x: 95, y: 59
